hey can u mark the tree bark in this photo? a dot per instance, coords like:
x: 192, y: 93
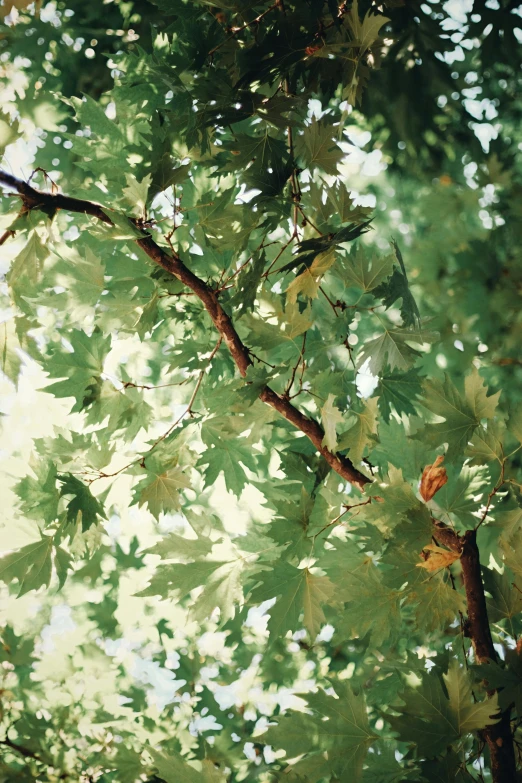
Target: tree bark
x: 499, y: 737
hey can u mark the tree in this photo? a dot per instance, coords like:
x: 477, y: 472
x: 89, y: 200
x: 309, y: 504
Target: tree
x: 271, y: 485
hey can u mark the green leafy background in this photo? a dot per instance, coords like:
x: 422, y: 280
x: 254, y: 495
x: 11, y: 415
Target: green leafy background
x: 188, y: 592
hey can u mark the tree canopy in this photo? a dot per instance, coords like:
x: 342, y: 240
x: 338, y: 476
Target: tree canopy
x: 261, y: 377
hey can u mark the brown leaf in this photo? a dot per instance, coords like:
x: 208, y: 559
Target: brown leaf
x: 433, y: 478
x: 436, y: 557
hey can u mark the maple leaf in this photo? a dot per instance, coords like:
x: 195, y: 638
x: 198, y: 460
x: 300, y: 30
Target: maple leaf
x: 434, y: 720
x: 83, y: 505
x: 433, y: 478
x: 505, y: 602
x: 392, y: 348
x: 399, y: 390
x: 367, y: 31
x: 32, y: 565
x: 397, y: 287
x: 39, y: 495
x: 330, y: 416
x: 307, y: 283
x: 80, y: 367
x: 486, y: 444
x: 28, y: 265
x: 460, y: 497
x: 362, y: 270
x: 84, y: 279
x: 507, y: 679
x: 10, y: 356
x: 297, y: 591
x: 372, y: 609
x: 160, y: 490
x: 317, y: 147
x: 461, y: 414
x: 437, y: 558
x: 359, y: 436
x: 334, y: 739
x: 174, y: 546
x: 136, y: 193
x: 172, y: 768
x: 222, y: 582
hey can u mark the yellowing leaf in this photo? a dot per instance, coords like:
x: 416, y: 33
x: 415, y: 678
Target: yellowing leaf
x: 330, y: 416
x: 307, y: 283
x: 359, y: 435
x: 437, y: 558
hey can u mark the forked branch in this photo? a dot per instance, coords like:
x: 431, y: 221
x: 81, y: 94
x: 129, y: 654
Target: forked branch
x: 172, y: 263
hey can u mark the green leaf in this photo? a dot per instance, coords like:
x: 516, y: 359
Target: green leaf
x: 10, y: 357
x: 136, y: 193
x: 392, y: 349
x: 83, y: 506
x: 363, y: 269
x: 160, y: 491
x: 434, y: 718
x: 173, y: 769
x: 225, y: 454
x: 398, y: 391
x: 507, y: 679
x: 486, y: 444
x: 174, y: 546
x: 39, y: 495
x: 359, y: 436
x: 26, y: 269
x: 317, y: 148
x: 367, y: 31
x: 31, y: 566
x: 372, y: 609
x: 505, y: 602
x: 80, y: 367
x: 334, y: 739
x: 397, y: 288
x: 222, y: 582
x: 9, y: 132
x: 461, y: 496
x: 247, y: 285
x: 383, y: 767
x: 461, y: 414
x: 298, y: 591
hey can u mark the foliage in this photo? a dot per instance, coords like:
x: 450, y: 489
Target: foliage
x: 260, y: 351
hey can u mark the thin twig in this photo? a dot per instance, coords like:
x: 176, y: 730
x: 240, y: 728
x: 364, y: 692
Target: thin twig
x: 301, y: 358
x: 237, y: 30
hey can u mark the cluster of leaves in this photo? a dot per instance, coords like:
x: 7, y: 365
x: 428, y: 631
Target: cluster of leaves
x: 295, y: 625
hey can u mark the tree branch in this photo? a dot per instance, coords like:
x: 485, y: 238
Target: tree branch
x: 498, y: 736
x: 172, y: 263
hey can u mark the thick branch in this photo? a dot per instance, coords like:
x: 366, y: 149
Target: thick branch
x: 171, y: 262
x: 25, y: 752
x: 498, y: 736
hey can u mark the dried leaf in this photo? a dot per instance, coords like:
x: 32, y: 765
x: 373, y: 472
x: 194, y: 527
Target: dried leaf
x: 437, y: 558
x: 433, y: 478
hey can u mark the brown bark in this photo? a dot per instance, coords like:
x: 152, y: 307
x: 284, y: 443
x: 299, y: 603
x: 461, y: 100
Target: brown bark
x: 171, y: 262
x: 498, y: 736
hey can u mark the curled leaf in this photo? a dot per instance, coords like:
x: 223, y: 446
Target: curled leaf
x: 435, y: 557
x: 433, y: 478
